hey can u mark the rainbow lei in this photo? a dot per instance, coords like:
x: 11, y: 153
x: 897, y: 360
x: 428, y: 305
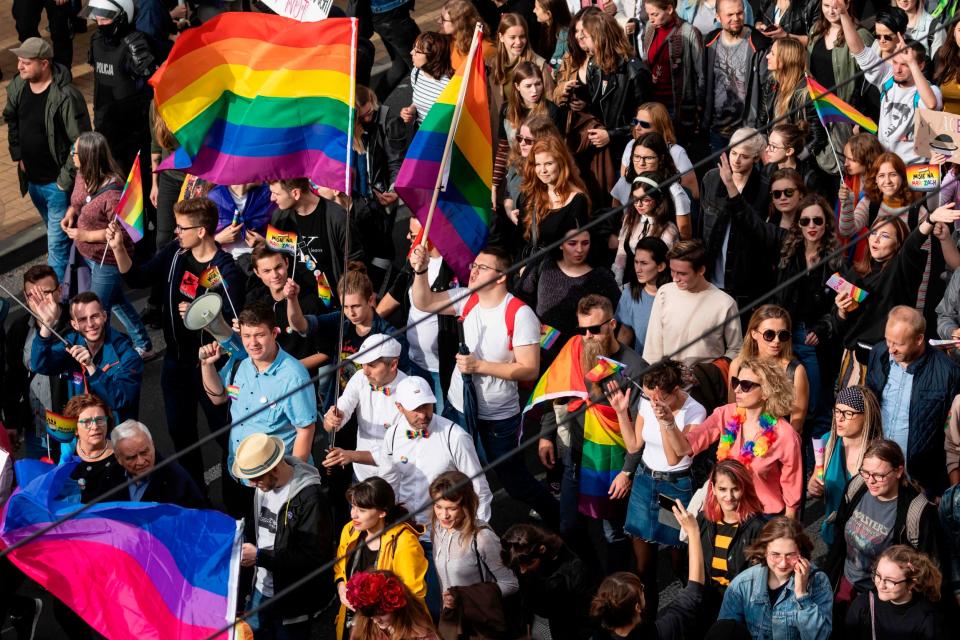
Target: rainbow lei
x: 750, y: 449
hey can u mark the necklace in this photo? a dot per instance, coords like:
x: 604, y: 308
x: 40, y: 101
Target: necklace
x: 750, y: 449
x: 91, y: 456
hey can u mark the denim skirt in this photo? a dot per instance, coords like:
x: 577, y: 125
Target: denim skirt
x: 644, y: 519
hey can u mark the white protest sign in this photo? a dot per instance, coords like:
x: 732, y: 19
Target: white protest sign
x: 302, y: 10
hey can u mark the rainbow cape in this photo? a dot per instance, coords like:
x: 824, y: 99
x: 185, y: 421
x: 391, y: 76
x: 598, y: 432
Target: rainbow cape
x: 253, y: 97
x: 130, y: 206
x: 603, y: 447
x: 461, y: 220
x: 830, y: 108
x: 130, y: 569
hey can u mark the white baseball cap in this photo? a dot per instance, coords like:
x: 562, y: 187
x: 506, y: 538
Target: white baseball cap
x: 413, y: 392
x: 376, y: 346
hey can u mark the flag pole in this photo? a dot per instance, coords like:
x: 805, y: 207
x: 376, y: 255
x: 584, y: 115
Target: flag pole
x: 448, y: 147
x: 106, y: 245
x: 36, y: 317
x: 823, y: 124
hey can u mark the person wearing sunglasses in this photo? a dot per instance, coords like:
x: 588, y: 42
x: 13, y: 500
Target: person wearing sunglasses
x: 786, y: 189
x: 751, y: 429
x: 654, y: 117
x: 769, y: 336
x: 879, y: 508
x: 905, y: 603
x: 856, y: 423
x: 786, y: 143
x: 784, y: 594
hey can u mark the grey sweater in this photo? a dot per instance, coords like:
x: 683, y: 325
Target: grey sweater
x: 458, y: 564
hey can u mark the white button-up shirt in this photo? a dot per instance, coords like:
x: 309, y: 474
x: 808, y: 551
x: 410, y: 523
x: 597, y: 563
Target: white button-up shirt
x: 376, y: 411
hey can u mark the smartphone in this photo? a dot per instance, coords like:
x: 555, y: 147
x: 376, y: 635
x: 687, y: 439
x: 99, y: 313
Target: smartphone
x: 666, y: 502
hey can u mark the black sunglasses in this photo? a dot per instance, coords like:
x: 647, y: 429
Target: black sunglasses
x: 770, y: 334
x: 787, y: 193
x: 745, y: 385
x: 594, y: 329
x: 641, y: 123
x: 886, y: 37
x: 806, y: 222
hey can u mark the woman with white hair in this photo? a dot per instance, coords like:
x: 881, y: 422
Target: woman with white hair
x: 733, y: 264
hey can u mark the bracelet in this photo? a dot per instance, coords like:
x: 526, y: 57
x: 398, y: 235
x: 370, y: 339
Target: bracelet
x: 420, y: 273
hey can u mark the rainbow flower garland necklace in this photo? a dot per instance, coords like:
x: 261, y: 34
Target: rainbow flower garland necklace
x: 750, y: 449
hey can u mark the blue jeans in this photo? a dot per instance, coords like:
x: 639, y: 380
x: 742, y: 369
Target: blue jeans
x: 52, y: 203
x: 498, y: 438
x: 267, y: 625
x: 106, y: 283
x: 434, y: 379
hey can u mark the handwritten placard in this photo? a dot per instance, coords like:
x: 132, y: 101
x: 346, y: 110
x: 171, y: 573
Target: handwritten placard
x: 923, y: 177
x: 937, y: 132
x: 302, y: 10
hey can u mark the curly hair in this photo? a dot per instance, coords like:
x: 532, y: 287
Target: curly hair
x: 779, y: 527
x: 919, y: 568
x: 864, y: 149
x: 536, y: 192
x: 776, y: 387
x: 762, y: 313
x: 829, y: 243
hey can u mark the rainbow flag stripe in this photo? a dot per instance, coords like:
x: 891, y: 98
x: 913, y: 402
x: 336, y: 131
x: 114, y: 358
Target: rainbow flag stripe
x: 548, y: 336
x: 323, y: 288
x: 130, y: 569
x: 603, y: 455
x: 605, y: 368
x: 233, y: 391
x: 61, y: 428
x: 253, y: 97
x: 832, y: 109
x: 461, y: 220
x: 130, y: 206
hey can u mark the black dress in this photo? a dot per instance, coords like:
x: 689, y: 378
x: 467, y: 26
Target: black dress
x: 94, y: 478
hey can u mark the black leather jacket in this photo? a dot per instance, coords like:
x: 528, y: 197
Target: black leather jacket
x: 614, y: 98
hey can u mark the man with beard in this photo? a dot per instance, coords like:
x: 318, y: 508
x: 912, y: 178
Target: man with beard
x: 502, y: 336
x: 736, y: 70
x: 593, y: 485
x: 98, y: 359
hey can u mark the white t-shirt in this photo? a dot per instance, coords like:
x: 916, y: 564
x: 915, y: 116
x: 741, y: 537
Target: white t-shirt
x: 376, y: 412
x: 270, y: 507
x: 423, y: 336
x: 485, y: 332
x: 897, y: 107
x: 692, y: 412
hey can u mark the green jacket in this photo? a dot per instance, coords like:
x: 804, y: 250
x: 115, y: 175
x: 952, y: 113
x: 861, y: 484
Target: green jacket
x: 66, y: 107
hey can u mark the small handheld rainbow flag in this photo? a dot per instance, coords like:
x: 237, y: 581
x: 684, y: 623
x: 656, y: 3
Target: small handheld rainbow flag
x: 61, y: 428
x: 281, y: 240
x: 210, y: 277
x: 233, y: 391
x: 130, y: 206
x: 323, y: 288
x: 830, y: 108
x: 548, y: 336
x: 605, y: 368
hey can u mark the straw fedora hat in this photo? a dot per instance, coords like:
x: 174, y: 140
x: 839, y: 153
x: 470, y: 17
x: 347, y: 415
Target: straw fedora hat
x: 257, y: 454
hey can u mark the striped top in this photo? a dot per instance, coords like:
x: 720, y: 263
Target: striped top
x: 426, y: 90
x: 721, y: 548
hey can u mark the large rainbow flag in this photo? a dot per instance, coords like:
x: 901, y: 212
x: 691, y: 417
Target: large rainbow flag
x: 461, y: 220
x: 130, y: 206
x: 830, y: 108
x: 603, y: 447
x: 253, y: 97
x: 130, y: 569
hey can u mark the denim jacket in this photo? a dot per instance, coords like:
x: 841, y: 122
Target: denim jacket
x: 747, y: 600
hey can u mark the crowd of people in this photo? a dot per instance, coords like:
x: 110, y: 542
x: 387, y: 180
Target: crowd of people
x: 733, y: 343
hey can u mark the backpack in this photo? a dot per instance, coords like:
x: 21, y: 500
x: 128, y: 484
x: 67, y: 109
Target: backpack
x: 914, y: 511
x: 513, y: 306
x: 888, y: 84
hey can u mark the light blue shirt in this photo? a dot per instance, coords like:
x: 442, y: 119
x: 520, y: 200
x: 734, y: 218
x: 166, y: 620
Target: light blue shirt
x: 137, y: 489
x: 257, y: 391
x: 895, y: 405
x: 635, y: 314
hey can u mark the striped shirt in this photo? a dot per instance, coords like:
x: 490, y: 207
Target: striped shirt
x: 721, y: 547
x: 426, y: 90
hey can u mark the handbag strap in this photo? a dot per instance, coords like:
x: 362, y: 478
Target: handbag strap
x: 481, y: 565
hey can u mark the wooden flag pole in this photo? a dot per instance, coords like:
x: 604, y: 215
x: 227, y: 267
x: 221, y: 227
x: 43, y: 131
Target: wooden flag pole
x: 448, y: 147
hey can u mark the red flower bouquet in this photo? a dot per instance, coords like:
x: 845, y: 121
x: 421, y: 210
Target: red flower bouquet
x: 376, y: 593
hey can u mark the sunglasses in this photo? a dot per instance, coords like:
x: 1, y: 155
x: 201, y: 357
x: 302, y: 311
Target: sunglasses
x: 770, y: 334
x: 883, y: 37
x: 593, y: 329
x: 524, y: 140
x: 782, y: 193
x: 641, y: 123
x: 745, y: 385
x: 806, y: 222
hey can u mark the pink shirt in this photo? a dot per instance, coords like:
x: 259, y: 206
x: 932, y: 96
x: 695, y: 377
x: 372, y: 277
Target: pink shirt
x: 777, y: 476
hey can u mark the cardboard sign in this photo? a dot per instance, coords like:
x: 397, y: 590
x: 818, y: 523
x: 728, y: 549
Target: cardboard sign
x: 937, y: 132
x: 302, y: 10
x: 923, y: 177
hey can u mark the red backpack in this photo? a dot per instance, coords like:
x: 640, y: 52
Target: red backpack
x: 513, y: 306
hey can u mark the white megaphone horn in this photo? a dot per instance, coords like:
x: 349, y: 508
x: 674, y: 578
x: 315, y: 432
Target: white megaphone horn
x: 204, y: 313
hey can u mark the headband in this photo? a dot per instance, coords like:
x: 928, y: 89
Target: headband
x: 852, y: 397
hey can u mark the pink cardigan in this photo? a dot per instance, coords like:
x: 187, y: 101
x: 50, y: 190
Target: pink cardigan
x: 777, y: 476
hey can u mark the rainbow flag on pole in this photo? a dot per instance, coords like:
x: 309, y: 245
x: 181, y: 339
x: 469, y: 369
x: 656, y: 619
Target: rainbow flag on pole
x: 461, y: 220
x: 129, y: 569
x: 253, y: 97
x: 130, y: 206
x: 830, y: 108
x: 210, y: 277
x: 281, y: 240
x: 605, y: 368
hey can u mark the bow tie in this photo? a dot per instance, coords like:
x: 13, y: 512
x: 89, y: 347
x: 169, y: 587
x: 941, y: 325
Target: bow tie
x: 384, y: 390
x: 413, y: 434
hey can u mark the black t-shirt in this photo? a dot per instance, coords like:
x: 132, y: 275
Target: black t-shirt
x: 40, y: 164
x: 313, y: 251
x: 821, y: 63
x: 188, y: 290
x: 292, y: 342
x: 775, y: 593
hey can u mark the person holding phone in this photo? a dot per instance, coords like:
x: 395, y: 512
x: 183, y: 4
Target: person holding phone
x: 781, y: 19
x: 783, y: 595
